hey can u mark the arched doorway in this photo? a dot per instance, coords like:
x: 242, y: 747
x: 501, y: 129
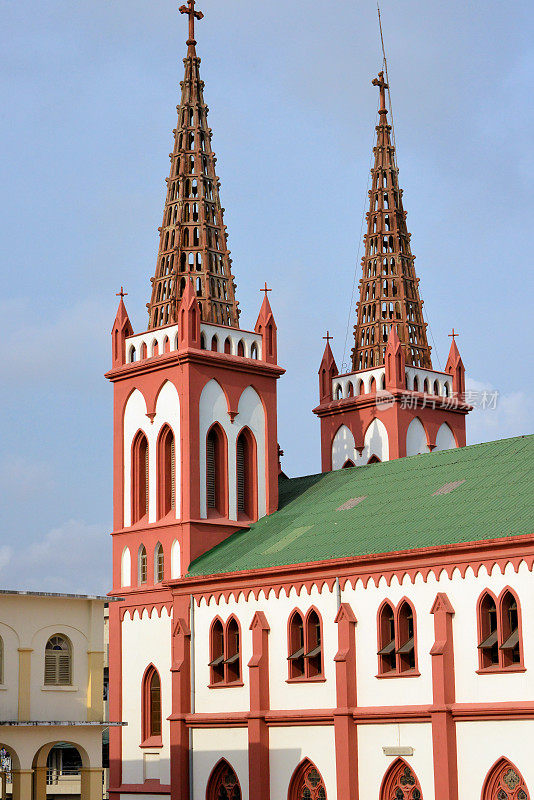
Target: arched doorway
x: 223, y: 783
x: 307, y: 783
x: 400, y: 783
x: 10, y: 785
x: 66, y: 764
x: 504, y: 782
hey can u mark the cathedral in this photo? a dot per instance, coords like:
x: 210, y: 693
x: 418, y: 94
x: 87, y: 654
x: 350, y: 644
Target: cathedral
x: 350, y: 635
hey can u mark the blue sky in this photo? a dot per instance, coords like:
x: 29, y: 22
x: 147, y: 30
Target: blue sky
x: 89, y: 93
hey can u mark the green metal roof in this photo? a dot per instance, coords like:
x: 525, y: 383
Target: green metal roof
x: 484, y: 491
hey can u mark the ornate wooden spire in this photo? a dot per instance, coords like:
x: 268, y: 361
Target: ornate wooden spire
x: 193, y: 235
x: 389, y: 293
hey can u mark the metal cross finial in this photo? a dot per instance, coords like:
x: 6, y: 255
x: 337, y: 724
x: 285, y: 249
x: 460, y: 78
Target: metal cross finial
x: 380, y: 82
x: 190, y: 9
x: 453, y: 334
x: 265, y: 289
x: 121, y: 294
x: 328, y: 337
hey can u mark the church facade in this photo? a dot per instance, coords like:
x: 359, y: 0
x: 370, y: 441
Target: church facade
x: 352, y: 634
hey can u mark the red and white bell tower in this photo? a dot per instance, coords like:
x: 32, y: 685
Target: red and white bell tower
x: 393, y: 403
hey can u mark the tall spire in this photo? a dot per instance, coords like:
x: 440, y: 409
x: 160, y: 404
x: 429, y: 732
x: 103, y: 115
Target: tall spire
x: 389, y: 293
x: 193, y: 235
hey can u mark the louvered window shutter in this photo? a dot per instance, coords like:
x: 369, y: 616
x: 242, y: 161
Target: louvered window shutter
x: 173, y: 475
x: 240, y: 458
x: 210, y: 471
x: 58, y: 662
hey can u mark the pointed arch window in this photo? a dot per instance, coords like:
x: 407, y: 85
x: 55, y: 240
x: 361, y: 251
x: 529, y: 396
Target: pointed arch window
x: 58, y: 661
x: 139, y: 477
x: 397, y: 650
x: 500, y: 645
x: 504, y: 782
x: 142, y: 566
x: 223, y: 783
x: 246, y: 475
x: 307, y: 783
x: 305, y: 656
x: 166, y: 472
x: 216, y: 468
x: 159, y: 564
x: 151, y: 706
x: 400, y: 783
x: 225, y: 653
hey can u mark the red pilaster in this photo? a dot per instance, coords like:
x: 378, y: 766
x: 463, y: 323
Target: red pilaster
x: 346, y: 732
x: 443, y: 726
x: 181, y: 699
x: 258, y: 733
x: 115, y: 699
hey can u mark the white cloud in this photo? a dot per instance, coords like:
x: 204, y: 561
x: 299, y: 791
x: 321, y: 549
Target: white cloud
x: 74, y: 557
x: 497, y: 415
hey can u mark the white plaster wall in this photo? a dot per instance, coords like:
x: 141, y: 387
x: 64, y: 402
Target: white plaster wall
x: 463, y: 594
x: 209, y: 746
x: 232, y: 698
x: 445, y: 438
x: 343, y: 448
x: 416, y: 441
x: 148, y: 337
x: 176, y: 564
x: 235, y: 335
x: 300, y: 695
x: 135, y: 418
x: 441, y: 377
x: 373, y: 691
x: 289, y: 746
x: 214, y: 408
x: 376, y: 442
x: 373, y: 764
x: 126, y: 567
x: 354, y: 377
x: 480, y: 744
x: 145, y: 640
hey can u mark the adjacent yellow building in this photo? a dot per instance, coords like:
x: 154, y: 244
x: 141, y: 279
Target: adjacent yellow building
x: 51, y: 694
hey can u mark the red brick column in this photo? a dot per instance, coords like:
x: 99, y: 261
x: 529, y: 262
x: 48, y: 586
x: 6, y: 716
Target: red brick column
x: 346, y: 732
x: 181, y: 699
x: 258, y: 733
x: 443, y: 726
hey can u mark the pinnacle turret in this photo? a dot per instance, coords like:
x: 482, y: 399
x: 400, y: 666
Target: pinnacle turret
x: 389, y: 293
x: 193, y: 235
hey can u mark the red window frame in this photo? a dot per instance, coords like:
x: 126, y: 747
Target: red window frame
x: 151, y: 718
x: 501, y: 648
x: 397, y: 640
x: 305, y: 646
x: 225, y: 653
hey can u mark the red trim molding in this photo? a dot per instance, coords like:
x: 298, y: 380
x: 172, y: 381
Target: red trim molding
x: 345, y: 731
x: 443, y: 690
x: 258, y: 732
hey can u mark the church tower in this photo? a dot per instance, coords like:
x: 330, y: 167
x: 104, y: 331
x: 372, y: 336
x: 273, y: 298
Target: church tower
x: 195, y: 440
x: 393, y: 403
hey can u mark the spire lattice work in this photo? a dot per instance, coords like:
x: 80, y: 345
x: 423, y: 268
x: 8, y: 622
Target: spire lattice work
x: 389, y: 293
x: 193, y: 242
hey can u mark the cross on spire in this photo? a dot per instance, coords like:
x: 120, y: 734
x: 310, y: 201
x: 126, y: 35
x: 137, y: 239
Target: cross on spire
x: 328, y: 337
x: 190, y: 10
x: 122, y: 294
x: 453, y: 334
x: 265, y: 289
x: 381, y: 83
